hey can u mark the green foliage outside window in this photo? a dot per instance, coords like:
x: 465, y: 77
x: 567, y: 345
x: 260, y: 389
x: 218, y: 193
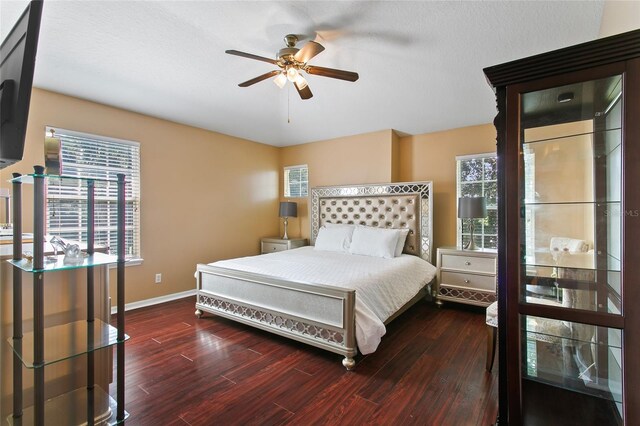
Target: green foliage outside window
x: 478, y: 176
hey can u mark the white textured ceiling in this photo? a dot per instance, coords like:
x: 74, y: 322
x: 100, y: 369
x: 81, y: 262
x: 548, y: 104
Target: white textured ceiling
x: 420, y: 63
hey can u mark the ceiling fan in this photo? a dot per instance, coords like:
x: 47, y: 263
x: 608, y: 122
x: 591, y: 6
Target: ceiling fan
x: 292, y: 61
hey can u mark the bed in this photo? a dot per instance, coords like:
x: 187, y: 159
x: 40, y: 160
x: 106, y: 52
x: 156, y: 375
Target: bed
x: 326, y: 310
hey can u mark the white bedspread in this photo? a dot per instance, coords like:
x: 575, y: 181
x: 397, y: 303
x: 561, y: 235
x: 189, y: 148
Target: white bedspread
x: 382, y: 285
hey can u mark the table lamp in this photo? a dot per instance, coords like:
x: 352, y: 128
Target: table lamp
x: 287, y: 209
x: 472, y: 208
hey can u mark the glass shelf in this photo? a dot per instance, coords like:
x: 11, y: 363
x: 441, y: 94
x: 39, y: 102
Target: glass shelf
x: 564, y: 203
x: 541, y: 263
x: 66, y: 341
x: 71, y: 409
x: 28, y: 178
x: 560, y: 135
x: 564, y: 332
x: 559, y: 259
x: 552, y: 345
x: 96, y: 259
x: 544, y: 270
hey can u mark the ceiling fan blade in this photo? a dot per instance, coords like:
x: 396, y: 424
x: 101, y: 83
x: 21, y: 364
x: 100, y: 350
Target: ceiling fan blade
x: 332, y: 73
x: 308, y: 51
x: 304, y: 93
x: 251, y: 56
x: 259, y: 78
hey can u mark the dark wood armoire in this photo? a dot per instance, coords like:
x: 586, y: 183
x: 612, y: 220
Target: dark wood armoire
x: 568, y: 133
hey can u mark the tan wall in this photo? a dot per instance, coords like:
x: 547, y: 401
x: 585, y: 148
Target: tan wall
x: 230, y: 186
x: 563, y: 172
x: 619, y: 17
x: 395, y: 157
x: 365, y: 158
x: 205, y: 196
x: 432, y: 156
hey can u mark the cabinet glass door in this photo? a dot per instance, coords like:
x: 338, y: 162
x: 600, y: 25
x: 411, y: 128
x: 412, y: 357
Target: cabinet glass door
x: 570, y: 227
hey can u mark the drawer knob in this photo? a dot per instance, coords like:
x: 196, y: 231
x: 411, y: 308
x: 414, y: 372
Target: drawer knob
x: 467, y: 263
x: 467, y: 281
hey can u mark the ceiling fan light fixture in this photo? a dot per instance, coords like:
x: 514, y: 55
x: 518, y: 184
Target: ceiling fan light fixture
x: 292, y: 74
x: 280, y: 80
x: 291, y: 63
x: 301, y: 82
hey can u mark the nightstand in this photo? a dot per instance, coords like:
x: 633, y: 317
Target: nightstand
x: 467, y: 276
x: 272, y: 245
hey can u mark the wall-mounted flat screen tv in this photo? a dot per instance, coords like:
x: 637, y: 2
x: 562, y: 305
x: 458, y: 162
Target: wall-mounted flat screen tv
x: 17, y: 64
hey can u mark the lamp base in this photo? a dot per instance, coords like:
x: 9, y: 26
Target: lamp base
x: 471, y: 244
x: 286, y: 222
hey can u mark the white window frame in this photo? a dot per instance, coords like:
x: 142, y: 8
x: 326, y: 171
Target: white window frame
x: 476, y: 232
x: 56, y: 195
x: 287, y: 188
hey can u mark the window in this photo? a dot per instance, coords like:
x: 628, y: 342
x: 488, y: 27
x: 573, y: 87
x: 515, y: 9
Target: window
x: 478, y: 176
x: 86, y: 155
x: 296, y: 181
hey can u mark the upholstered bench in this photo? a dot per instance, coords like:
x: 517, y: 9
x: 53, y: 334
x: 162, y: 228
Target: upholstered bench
x: 551, y: 332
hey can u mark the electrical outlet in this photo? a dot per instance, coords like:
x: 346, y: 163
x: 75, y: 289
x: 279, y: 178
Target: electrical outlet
x: 158, y: 278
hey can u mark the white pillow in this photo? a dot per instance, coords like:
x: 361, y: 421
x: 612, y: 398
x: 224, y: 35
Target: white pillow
x: 402, y: 237
x: 572, y: 245
x: 334, y: 238
x: 379, y: 242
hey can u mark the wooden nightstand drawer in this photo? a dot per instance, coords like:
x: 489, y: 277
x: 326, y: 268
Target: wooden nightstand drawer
x: 469, y: 263
x: 273, y: 247
x: 480, y: 282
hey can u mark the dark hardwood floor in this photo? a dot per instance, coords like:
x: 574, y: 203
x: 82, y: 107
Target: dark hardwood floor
x: 429, y: 370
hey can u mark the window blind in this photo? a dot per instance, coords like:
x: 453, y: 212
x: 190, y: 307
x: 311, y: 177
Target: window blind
x: 296, y: 181
x: 101, y: 158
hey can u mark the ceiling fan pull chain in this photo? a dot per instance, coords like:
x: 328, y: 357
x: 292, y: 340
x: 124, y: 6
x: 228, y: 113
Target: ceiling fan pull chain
x: 288, y: 107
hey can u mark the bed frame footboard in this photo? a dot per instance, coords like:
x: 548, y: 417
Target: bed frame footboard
x: 319, y: 315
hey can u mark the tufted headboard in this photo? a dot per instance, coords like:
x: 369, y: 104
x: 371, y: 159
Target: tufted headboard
x: 394, y: 205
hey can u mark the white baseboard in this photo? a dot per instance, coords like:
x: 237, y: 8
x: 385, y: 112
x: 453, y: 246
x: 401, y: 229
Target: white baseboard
x: 155, y: 301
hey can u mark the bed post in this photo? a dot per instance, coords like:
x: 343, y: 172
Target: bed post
x: 349, y: 322
x: 198, y: 312
x: 349, y: 363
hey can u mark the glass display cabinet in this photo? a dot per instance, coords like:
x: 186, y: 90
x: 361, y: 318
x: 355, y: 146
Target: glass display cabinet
x: 568, y: 129
x: 42, y: 340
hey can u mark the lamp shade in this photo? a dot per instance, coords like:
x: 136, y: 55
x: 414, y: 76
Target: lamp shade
x: 288, y: 209
x: 472, y: 207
